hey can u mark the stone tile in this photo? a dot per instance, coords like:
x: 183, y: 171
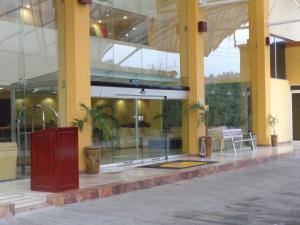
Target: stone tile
x: 7, y: 210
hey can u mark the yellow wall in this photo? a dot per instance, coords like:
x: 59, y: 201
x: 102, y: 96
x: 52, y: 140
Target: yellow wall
x: 292, y: 55
x: 281, y: 107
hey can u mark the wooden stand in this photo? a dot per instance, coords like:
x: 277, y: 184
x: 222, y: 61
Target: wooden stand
x: 54, y: 160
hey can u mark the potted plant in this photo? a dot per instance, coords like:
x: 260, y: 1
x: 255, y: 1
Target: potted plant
x: 203, y: 116
x: 102, y: 121
x: 272, y: 122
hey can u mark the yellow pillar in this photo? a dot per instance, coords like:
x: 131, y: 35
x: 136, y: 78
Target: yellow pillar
x: 260, y: 68
x: 195, y: 71
x: 74, y: 66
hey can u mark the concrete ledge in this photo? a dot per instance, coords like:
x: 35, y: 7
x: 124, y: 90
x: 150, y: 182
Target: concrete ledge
x: 7, y: 210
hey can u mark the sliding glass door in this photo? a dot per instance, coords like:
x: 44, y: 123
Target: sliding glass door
x: 139, y: 134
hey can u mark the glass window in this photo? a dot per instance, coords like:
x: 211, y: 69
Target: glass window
x: 277, y: 57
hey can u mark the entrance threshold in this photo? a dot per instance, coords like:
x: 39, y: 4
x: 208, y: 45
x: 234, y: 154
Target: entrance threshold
x: 115, y: 167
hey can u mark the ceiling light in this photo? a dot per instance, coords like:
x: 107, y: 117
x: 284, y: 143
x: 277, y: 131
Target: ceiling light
x: 133, y: 28
x: 107, y: 15
x: 99, y: 21
x: 27, y: 6
x: 125, y: 17
x: 126, y: 35
x: 1, y: 88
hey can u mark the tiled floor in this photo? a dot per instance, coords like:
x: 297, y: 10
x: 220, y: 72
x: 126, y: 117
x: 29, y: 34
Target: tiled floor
x: 134, y: 178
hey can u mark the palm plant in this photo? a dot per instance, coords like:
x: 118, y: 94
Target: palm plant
x: 101, y: 118
x: 202, y: 113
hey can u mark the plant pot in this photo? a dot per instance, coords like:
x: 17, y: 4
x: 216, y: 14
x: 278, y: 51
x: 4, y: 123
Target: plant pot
x: 274, y: 140
x: 208, y: 143
x: 92, y: 159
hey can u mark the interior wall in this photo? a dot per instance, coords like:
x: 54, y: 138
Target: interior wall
x: 46, y: 100
x: 281, y: 107
x: 292, y: 54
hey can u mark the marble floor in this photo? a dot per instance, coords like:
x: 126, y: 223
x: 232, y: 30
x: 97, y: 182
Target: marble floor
x: 18, y: 192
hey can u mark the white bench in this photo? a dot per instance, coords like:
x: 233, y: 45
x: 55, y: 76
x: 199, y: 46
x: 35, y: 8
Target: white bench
x: 236, y: 136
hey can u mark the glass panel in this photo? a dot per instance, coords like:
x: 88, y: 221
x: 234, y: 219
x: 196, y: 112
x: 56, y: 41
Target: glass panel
x: 296, y: 117
x: 151, y: 119
x: 227, y: 71
x: 173, y: 110
x: 139, y: 42
x: 28, y: 71
x: 147, y: 128
x: 122, y: 145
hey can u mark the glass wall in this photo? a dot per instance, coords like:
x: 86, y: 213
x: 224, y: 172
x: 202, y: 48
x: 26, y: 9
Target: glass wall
x: 227, y: 74
x: 28, y: 72
x: 139, y: 42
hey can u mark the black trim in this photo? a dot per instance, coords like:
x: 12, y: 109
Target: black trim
x: 123, y: 85
x: 295, y: 88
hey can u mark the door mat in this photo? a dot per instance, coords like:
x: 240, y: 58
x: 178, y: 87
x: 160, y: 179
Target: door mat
x: 178, y: 164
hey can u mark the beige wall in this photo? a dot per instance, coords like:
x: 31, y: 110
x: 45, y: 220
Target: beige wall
x: 281, y: 107
x: 292, y: 54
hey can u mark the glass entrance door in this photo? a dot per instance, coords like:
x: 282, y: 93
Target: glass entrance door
x: 140, y: 133
x: 151, y: 129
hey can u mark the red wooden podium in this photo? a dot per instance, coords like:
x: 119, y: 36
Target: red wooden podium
x: 54, y: 160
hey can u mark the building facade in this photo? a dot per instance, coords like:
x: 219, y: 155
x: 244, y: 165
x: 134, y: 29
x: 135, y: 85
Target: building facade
x: 145, y: 62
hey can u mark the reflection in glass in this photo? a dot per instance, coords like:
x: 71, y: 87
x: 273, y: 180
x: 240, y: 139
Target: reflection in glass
x: 139, y: 40
x: 227, y: 74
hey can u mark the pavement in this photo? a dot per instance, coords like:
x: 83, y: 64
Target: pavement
x: 264, y: 194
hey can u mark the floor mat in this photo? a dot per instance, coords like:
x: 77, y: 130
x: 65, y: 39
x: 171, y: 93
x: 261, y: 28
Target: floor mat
x: 178, y: 164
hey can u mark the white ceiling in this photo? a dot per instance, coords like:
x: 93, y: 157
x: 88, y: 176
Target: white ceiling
x: 285, y: 11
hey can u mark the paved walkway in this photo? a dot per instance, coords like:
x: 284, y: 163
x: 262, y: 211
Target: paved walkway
x: 263, y: 194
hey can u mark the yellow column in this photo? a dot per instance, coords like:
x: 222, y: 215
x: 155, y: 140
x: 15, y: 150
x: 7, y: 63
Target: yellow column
x: 260, y: 68
x: 74, y: 66
x: 195, y: 71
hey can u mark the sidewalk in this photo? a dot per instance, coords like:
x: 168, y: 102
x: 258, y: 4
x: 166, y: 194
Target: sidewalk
x: 16, y: 197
